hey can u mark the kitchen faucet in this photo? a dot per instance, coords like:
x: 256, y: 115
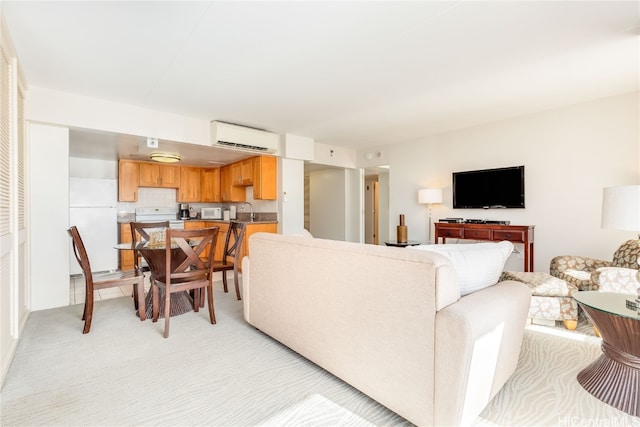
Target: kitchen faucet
x: 251, y: 208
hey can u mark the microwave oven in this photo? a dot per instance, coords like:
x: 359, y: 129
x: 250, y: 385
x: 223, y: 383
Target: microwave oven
x: 211, y: 213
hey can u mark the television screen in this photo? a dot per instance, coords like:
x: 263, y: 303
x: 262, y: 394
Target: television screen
x: 489, y: 188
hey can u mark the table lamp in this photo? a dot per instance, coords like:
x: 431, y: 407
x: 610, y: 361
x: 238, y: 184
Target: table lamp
x: 621, y: 208
x: 621, y: 211
x: 429, y: 196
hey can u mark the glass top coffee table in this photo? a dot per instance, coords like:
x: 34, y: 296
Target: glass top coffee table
x: 614, y: 377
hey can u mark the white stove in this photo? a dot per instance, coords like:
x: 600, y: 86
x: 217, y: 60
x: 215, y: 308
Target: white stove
x: 149, y: 214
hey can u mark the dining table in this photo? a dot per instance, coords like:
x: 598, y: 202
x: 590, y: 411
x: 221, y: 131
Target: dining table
x: 155, y: 256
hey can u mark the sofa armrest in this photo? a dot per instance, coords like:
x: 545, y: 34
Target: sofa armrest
x: 477, y: 346
x: 246, y: 289
x: 563, y: 263
x: 616, y: 279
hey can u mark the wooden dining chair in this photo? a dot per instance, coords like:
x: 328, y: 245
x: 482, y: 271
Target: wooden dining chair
x: 232, y: 248
x: 140, y: 232
x: 103, y: 281
x: 186, y: 268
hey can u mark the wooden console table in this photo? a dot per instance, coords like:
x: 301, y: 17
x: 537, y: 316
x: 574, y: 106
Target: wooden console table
x: 493, y: 232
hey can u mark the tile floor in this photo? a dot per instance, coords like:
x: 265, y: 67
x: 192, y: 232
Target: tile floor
x: 77, y: 290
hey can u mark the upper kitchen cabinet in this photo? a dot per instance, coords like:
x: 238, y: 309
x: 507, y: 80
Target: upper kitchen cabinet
x: 210, y: 185
x: 157, y: 175
x: 264, y: 178
x: 228, y: 191
x: 190, y: 189
x: 128, y: 178
x: 243, y: 172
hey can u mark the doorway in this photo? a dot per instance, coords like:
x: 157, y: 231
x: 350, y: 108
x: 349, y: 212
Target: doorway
x: 371, y: 209
x: 375, y: 210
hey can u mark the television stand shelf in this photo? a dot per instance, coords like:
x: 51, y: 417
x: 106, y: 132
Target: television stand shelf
x: 492, y: 232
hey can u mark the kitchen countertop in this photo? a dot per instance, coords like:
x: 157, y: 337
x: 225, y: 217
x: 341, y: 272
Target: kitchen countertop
x: 261, y: 218
x: 237, y: 220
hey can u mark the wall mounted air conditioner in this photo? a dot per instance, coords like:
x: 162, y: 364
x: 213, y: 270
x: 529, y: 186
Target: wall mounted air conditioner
x: 227, y: 135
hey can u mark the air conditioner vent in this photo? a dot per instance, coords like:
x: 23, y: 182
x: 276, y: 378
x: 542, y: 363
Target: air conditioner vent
x: 237, y: 137
x: 242, y: 146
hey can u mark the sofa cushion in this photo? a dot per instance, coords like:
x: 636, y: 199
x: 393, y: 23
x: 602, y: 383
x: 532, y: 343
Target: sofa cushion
x: 477, y: 265
x: 303, y: 233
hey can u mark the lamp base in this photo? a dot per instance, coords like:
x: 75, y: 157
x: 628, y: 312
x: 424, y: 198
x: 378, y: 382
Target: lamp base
x: 402, y: 234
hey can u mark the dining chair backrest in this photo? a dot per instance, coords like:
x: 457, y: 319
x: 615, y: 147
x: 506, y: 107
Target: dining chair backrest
x: 186, y: 269
x: 232, y: 248
x: 140, y: 231
x: 230, y: 257
x: 190, y: 262
x: 80, y: 252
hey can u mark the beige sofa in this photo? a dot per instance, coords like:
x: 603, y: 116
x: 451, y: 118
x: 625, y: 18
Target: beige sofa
x: 389, y: 321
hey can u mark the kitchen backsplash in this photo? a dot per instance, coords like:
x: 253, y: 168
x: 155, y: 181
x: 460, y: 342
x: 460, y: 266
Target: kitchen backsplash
x: 166, y: 197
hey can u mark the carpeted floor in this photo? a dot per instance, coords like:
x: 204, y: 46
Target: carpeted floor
x: 229, y: 374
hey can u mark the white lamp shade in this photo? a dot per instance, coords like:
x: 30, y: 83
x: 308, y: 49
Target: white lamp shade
x: 430, y: 195
x: 621, y: 208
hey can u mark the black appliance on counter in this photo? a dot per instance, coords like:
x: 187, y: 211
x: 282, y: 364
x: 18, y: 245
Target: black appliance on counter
x: 183, y: 212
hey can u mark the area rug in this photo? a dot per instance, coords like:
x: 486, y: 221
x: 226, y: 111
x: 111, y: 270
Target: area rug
x: 229, y: 374
x: 544, y: 391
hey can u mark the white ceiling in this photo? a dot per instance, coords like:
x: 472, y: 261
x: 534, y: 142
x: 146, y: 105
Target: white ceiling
x: 354, y: 74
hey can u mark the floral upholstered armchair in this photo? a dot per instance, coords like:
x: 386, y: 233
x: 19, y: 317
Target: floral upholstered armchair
x: 590, y: 274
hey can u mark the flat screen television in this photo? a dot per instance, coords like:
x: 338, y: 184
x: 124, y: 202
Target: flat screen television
x: 489, y: 188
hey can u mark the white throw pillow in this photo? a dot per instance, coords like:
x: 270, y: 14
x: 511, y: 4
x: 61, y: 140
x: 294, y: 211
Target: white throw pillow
x: 477, y: 265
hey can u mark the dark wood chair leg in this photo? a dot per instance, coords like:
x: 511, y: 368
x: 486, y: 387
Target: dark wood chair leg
x: 135, y: 297
x: 88, y: 312
x: 155, y: 301
x: 212, y: 313
x: 139, y: 301
x: 197, y: 298
x: 237, y: 282
x: 224, y: 280
x: 167, y: 312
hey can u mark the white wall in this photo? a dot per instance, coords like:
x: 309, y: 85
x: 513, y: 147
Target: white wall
x: 383, y: 202
x: 92, y: 113
x: 327, y: 207
x: 569, y: 154
x: 331, y: 155
x: 291, y: 196
x: 49, y: 219
x: 354, y: 205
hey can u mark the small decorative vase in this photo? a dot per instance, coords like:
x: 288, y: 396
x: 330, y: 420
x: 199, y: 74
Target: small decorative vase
x: 402, y: 231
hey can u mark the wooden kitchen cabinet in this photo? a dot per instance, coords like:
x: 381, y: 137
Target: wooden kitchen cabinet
x: 251, y: 228
x: 210, y: 185
x: 128, y: 178
x: 193, y: 225
x: 229, y: 192
x: 244, y: 172
x: 189, y: 190
x: 126, y: 257
x: 265, y: 178
x: 246, y: 168
x: 158, y: 175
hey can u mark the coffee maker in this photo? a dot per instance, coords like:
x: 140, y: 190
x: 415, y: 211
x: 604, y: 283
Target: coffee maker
x: 184, y: 211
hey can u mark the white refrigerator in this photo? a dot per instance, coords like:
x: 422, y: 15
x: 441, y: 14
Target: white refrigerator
x: 93, y: 206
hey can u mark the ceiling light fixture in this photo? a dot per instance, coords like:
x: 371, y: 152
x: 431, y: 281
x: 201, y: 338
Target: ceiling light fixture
x: 158, y: 156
